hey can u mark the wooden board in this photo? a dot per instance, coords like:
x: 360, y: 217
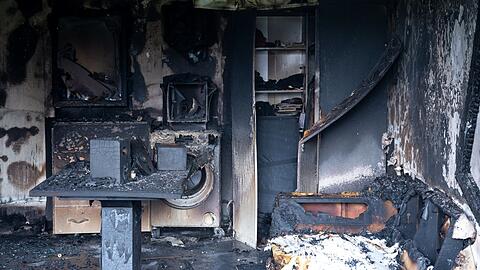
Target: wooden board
x: 79, y: 216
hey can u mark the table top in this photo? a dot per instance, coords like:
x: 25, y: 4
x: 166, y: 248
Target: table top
x: 75, y: 182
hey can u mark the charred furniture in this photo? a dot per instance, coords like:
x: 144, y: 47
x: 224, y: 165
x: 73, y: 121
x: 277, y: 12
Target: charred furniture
x: 112, y: 179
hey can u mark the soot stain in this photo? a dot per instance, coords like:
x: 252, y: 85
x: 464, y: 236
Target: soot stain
x: 18, y: 136
x: 21, y: 46
x: 3, y: 88
x: 29, y: 7
x: 23, y: 175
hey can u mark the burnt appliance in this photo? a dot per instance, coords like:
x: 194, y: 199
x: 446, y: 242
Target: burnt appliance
x: 187, y: 102
x: 200, y: 205
x: 187, y: 99
x: 188, y: 143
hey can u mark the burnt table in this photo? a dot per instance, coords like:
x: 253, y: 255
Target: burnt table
x: 121, y: 206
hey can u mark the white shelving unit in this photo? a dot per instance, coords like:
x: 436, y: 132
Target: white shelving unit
x: 280, y: 62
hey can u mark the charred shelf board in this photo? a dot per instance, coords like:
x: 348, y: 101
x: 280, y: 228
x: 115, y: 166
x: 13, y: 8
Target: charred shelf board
x: 75, y: 182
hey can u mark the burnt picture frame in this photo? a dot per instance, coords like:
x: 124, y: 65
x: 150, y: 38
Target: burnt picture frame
x: 86, y: 30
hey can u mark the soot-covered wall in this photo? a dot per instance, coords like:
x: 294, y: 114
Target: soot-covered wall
x: 352, y: 36
x: 26, y: 79
x: 428, y: 96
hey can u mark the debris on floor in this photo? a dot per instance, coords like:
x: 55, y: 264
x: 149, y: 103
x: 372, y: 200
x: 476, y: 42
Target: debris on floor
x: 21, y: 249
x: 332, y: 251
x: 426, y: 227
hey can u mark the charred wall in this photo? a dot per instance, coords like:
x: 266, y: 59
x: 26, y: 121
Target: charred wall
x: 428, y: 97
x: 24, y: 84
x: 352, y: 37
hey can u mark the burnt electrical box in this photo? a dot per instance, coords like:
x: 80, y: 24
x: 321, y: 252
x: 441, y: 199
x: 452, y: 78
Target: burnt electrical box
x: 172, y: 157
x: 110, y: 158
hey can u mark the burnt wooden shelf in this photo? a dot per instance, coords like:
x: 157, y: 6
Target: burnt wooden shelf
x: 75, y: 182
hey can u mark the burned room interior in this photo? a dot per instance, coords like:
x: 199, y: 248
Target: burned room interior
x: 177, y: 134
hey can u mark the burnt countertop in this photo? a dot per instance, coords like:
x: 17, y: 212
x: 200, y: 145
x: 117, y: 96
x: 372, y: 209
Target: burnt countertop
x: 75, y: 182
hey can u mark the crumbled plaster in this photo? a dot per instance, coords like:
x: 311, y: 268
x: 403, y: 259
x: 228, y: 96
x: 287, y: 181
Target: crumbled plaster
x: 474, y: 249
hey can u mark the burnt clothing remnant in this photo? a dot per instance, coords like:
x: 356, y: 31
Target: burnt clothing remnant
x: 291, y: 82
x: 88, y: 61
x: 264, y: 108
x: 189, y: 31
x: 290, y: 106
x: 428, y: 226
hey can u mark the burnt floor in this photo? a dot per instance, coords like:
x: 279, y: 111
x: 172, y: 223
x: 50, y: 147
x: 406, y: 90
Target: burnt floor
x: 22, y: 248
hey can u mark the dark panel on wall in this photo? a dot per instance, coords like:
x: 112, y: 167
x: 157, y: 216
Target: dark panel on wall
x: 352, y: 39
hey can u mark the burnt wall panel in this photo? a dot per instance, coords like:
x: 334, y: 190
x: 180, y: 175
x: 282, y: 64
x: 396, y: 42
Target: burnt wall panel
x: 428, y: 98
x: 240, y: 85
x: 352, y: 39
